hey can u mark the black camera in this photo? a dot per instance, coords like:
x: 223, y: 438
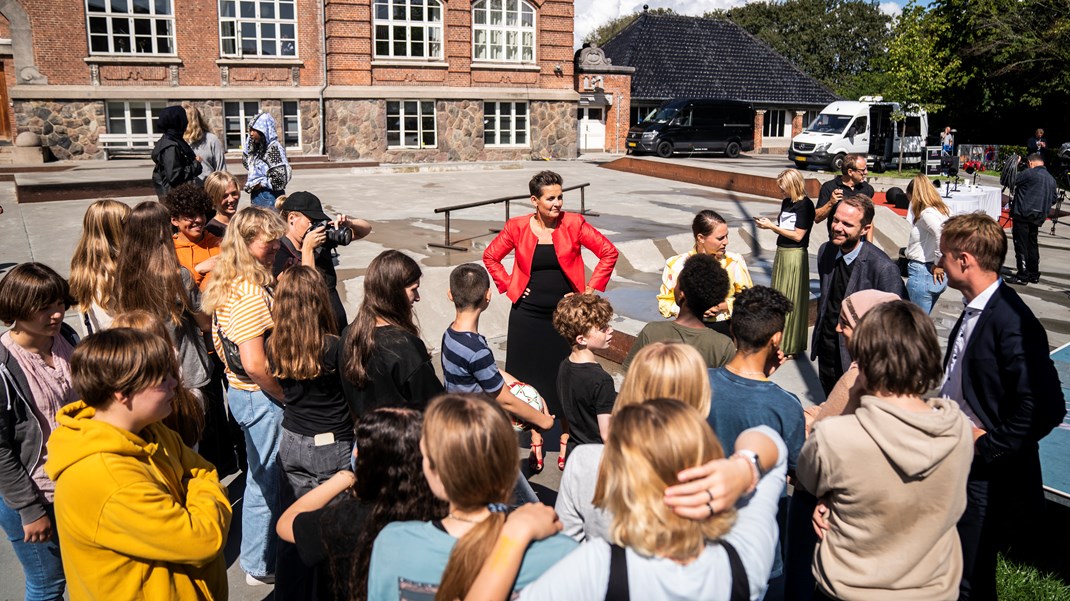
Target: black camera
x: 335, y: 236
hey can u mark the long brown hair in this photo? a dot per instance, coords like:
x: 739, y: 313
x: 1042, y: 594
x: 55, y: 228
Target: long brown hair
x: 471, y: 446
x: 147, y: 277
x: 384, y: 298
x: 97, y: 254
x: 187, y: 413
x: 303, y: 322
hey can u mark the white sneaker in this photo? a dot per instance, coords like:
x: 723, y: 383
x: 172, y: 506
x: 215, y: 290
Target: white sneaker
x: 259, y: 580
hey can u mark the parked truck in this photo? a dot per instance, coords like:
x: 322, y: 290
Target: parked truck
x: 864, y: 127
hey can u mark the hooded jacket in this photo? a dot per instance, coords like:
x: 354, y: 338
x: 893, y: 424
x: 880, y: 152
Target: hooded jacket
x: 265, y: 160
x: 896, y: 487
x: 175, y: 161
x: 140, y: 517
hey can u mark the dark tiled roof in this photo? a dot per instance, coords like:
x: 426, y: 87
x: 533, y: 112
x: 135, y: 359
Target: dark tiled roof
x: 676, y: 56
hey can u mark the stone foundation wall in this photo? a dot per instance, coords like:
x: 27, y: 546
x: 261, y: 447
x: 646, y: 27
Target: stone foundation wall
x: 68, y: 129
x: 356, y: 129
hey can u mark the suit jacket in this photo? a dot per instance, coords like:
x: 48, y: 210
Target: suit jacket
x: 572, y: 232
x: 871, y: 270
x: 1010, y: 381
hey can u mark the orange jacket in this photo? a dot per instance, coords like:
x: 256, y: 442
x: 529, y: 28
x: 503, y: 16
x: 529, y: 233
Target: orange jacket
x: 190, y: 254
x: 572, y: 233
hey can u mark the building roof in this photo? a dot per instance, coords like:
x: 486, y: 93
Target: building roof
x: 676, y: 56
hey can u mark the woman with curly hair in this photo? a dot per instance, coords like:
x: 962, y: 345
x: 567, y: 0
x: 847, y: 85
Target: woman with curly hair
x: 385, y: 363
x: 336, y: 523
x: 239, y: 295
x: 204, y: 143
x: 93, y: 264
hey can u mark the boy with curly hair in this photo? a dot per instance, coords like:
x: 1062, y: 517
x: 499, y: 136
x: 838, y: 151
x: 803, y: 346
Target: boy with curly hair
x: 190, y: 208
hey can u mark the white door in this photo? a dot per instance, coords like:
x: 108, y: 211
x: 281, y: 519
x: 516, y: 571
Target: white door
x: 592, y: 128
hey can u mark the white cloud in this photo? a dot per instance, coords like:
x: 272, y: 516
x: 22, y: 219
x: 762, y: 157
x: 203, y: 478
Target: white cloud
x: 591, y: 14
x: 892, y: 9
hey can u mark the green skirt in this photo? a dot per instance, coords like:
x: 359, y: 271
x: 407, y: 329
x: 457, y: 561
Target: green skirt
x: 791, y: 276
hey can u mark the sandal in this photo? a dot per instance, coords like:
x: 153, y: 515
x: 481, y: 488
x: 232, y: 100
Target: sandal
x: 535, y: 459
x: 563, y: 442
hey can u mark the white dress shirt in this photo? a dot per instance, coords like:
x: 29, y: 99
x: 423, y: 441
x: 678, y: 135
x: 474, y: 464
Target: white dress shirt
x: 952, y: 387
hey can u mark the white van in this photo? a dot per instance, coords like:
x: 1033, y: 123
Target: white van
x: 864, y: 127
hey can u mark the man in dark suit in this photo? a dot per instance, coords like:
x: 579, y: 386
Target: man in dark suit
x: 998, y: 368
x: 1034, y: 194
x: 847, y: 264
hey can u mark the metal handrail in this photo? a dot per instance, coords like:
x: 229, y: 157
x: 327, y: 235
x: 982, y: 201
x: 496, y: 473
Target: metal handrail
x: 505, y: 199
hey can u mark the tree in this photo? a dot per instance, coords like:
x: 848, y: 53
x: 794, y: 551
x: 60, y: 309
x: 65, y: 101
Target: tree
x: 919, y: 66
x: 604, y: 33
x: 834, y: 41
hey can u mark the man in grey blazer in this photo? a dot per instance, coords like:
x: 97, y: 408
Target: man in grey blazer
x: 845, y: 265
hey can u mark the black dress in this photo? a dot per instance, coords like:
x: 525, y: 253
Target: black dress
x: 534, y: 350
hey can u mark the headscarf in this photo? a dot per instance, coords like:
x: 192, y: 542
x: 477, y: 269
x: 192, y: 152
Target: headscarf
x: 857, y: 304
x: 173, y: 122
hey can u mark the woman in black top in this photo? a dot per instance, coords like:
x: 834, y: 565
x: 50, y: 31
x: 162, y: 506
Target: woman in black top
x: 176, y: 163
x: 791, y: 266
x: 384, y: 362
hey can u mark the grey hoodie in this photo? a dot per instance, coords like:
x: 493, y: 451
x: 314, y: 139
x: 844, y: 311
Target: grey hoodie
x: 895, y: 481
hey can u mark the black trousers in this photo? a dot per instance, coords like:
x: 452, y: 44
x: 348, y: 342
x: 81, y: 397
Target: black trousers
x: 1026, y: 247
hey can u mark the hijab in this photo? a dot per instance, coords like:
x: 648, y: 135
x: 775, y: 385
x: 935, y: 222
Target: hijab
x: 173, y: 122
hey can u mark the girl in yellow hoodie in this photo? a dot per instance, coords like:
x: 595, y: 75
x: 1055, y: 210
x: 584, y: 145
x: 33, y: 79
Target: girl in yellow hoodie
x: 141, y: 515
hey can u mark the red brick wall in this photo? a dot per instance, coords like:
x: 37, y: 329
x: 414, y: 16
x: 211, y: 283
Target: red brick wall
x: 619, y: 114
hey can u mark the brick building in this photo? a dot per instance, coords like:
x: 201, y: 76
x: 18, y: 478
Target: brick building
x: 396, y: 80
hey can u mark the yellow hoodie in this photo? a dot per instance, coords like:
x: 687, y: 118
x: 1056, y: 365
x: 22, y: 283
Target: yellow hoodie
x: 140, y: 517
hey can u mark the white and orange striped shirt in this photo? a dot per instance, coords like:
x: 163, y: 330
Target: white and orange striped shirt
x: 245, y: 315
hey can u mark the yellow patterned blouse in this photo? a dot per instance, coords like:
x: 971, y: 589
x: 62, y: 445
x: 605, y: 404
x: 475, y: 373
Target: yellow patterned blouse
x: 738, y: 280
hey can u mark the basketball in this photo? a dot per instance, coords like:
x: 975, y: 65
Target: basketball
x: 528, y: 394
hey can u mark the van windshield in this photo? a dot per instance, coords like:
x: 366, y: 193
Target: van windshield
x: 661, y: 115
x: 829, y: 124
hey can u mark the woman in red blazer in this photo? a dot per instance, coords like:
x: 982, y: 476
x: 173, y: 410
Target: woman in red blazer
x: 547, y: 265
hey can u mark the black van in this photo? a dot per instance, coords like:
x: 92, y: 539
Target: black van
x: 695, y: 125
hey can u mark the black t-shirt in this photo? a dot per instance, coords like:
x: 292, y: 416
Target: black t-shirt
x: 318, y: 406
x: 548, y: 283
x: 290, y: 255
x: 216, y: 228
x: 795, y: 216
x: 585, y: 391
x: 825, y: 195
x: 326, y: 539
x: 400, y: 373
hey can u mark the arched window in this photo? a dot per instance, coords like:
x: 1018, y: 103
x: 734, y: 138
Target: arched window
x: 408, y: 28
x: 503, y: 30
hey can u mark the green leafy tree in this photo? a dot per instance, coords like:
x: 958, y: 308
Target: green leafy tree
x: 604, y: 33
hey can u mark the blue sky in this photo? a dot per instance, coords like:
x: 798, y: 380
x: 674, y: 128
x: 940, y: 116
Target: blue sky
x: 592, y: 13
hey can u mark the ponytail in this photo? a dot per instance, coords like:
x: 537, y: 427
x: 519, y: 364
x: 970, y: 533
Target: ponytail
x: 468, y: 556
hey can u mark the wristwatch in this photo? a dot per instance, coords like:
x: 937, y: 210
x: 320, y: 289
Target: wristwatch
x: 755, y: 463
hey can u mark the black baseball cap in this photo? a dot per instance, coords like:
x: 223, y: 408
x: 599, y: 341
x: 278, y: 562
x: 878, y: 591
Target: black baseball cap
x: 307, y: 204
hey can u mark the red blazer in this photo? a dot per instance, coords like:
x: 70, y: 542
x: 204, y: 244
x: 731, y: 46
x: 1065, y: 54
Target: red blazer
x: 573, y: 232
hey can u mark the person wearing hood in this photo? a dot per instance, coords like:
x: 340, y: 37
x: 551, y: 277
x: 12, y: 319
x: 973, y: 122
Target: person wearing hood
x: 176, y: 163
x: 892, y: 475
x: 265, y: 159
x: 141, y: 515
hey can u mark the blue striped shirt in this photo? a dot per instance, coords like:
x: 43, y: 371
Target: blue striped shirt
x: 468, y: 364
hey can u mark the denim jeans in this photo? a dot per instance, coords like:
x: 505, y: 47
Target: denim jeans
x: 261, y: 421
x: 265, y: 198
x: 920, y: 287
x: 41, y: 563
x: 306, y: 465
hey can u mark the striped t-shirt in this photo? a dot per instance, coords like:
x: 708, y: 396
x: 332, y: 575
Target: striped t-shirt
x: 245, y: 315
x: 468, y: 365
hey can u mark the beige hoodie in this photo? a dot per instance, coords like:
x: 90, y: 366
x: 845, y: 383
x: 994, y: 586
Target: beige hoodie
x: 896, y: 486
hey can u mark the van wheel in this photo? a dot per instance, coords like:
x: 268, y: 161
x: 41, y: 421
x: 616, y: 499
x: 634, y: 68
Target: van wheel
x: 732, y: 150
x: 664, y: 149
x: 879, y: 166
x: 801, y: 165
x: 837, y: 163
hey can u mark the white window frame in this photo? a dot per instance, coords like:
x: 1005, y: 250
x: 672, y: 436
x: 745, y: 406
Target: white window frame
x: 769, y: 126
x: 638, y: 109
x: 496, y: 36
x: 243, y: 121
x: 495, y: 124
x: 258, y: 23
x: 388, y: 7
x: 296, y: 116
x: 152, y: 109
x: 402, y: 114
x: 152, y: 17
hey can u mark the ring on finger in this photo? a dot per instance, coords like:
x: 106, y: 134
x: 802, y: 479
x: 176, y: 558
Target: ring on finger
x: 710, y: 505
x: 710, y: 492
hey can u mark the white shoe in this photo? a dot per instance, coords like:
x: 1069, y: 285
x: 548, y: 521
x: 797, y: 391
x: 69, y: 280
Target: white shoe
x: 259, y: 581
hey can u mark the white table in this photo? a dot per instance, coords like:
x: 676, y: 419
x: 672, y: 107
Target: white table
x: 968, y: 199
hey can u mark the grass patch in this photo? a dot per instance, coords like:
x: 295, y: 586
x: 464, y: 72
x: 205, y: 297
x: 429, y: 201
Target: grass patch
x: 1020, y: 582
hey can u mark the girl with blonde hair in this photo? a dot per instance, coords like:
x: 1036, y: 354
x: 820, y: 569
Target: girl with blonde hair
x: 791, y: 265
x: 225, y: 191
x: 95, y: 258
x: 653, y: 552
x: 925, y: 278
x: 659, y: 370
x: 470, y: 461
x: 239, y: 296
x: 204, y: 143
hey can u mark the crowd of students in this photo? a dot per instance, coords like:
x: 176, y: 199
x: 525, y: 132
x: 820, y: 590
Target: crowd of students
x: 368, y: 477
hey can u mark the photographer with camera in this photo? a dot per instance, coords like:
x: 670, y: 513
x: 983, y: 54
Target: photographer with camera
x: 310, y: 236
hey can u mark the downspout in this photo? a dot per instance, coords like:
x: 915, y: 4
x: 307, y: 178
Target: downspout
x: 323, y: 87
